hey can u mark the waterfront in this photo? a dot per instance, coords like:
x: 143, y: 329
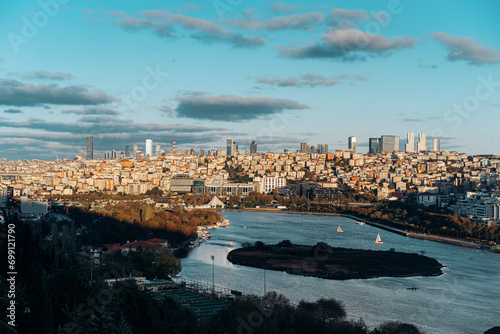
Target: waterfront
x: 462, y: 300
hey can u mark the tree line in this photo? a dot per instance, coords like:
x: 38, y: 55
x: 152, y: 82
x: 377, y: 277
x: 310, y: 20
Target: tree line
x: 127, y: 221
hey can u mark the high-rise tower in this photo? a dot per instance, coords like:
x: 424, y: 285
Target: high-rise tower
x: 303, y: 147
x: 422, y: 142
x: 410, y: 143
x: 436, y: 145
x: 253, y: 147
x: 374, y: 146
x: 90, y: 147
x: 135, y: 149
x: 149, y: 148
x: 351, y: 144
x: 389, y: 143
x: 230, y: 147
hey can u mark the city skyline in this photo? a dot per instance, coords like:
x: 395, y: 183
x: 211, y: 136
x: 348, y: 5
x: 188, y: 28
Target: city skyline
x: 279, y: 73
x: 232, y: 148
x: 89, y: 152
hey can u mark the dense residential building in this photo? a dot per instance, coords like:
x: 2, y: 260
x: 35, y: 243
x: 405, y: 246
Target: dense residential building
x: 410, y: 142
x: 90, y: 147
x: 374, y: 146
x: 351, y: 144
x: 389, y: 143
x: 433, y: 178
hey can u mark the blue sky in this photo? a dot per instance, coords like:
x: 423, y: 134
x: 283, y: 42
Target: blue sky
x: 280, y: 73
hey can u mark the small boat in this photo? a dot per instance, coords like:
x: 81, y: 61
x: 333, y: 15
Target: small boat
x: 378, y: 241
x: 412, y: 288
x: 245, y: 227
x: 360, y: 223
x: 339, y: 230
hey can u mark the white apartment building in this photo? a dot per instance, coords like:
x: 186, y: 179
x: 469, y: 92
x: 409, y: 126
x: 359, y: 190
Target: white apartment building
x: 268, y: 183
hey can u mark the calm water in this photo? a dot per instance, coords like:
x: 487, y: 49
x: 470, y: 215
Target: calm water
x: 465, y: 299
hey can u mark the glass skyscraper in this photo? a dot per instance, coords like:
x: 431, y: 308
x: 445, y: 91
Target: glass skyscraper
x: 230, y: 147
x: 390, y: 143
x: 351, y: 144
x: 374, y: 145
x: 253, y: 147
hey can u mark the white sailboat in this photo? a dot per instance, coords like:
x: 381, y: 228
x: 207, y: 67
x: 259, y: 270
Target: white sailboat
x: 339, y: 230
x: 378, y: 241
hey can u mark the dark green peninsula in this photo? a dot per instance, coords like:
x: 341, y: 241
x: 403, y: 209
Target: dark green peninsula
x: 337, y: 263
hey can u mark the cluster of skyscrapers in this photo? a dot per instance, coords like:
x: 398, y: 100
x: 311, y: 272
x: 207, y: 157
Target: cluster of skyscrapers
x: 390, y: 143
x: 232, y: 147
x: 321, y: 148
x: 386, y: 143
x: 136, y: 150
x: 152, y: 151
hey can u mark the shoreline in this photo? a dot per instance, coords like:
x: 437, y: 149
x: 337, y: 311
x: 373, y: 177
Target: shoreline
x: 456, y: 242
x: 202, y: 235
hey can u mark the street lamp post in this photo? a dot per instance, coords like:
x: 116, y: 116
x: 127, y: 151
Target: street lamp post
x: 213, y: 274
x: 264, y: 281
